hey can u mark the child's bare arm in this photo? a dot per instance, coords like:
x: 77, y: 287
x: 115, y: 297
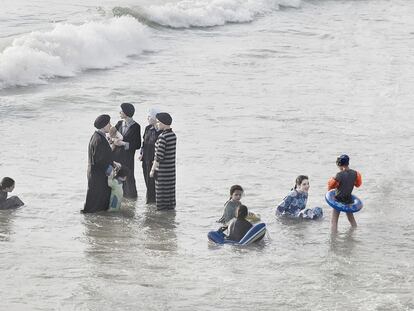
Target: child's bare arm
x: 358, y: 181
x: 332, y: 183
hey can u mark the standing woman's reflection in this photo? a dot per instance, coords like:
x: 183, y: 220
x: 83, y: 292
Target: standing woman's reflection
x: 160, y: 229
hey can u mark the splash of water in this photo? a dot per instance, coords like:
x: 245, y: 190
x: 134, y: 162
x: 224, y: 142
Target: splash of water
x: 208, y: 13
x: 70, y: 49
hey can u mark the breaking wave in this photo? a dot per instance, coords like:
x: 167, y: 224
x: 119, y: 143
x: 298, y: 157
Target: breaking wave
x: 205, y: 13
x: 68, y: 49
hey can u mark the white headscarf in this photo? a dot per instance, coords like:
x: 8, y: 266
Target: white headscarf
x: 152, y: 112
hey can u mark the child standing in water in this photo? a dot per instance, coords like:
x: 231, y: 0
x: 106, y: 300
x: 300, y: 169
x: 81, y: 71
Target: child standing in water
x: 236, y: 192
x: 115, y: 182
x: 344, y: 182
x: 294, y: 204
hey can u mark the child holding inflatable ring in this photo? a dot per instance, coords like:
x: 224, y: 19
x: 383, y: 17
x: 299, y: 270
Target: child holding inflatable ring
x: 344, y: 182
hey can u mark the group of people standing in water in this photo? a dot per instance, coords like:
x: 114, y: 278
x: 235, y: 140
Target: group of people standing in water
x: 111, y: 161
x: 238, y: 221
x: 111, y: 177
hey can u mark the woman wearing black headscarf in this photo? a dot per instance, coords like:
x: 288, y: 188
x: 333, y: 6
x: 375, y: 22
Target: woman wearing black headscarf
x: 147, y: 153
x: 163, y: 168
x: 99, y: 167
x: 124, y: 151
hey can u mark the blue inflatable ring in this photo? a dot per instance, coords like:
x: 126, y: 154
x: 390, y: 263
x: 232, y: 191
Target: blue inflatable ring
x: 342, y: 207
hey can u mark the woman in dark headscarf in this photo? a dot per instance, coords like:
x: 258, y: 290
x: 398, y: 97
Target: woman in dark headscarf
x: 99, y: 167
x: 164, y: 163
x: 124, y: 151
x: 147, y: 153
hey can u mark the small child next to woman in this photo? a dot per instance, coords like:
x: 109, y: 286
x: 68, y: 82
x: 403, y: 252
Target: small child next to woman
x: 115, y: 182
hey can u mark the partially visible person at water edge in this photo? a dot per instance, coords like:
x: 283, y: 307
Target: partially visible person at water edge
x: 236, y: 192
x: 163, y: 168
x: 115, y: 181
x: 124, y: 151
x: 99, y: 167
x: 344, y: 182
x: 7, y: 185
x: 294, y: 204
x: 239, y: 226
x: 147, y: 153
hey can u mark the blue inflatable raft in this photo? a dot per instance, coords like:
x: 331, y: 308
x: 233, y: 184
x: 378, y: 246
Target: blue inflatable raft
x: 342, y: 207
x: 255, y: 234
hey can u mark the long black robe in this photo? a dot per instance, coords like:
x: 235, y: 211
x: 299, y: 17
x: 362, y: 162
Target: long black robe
x: 148, y: 151
x: 99, y: 158
x: 126, y: 157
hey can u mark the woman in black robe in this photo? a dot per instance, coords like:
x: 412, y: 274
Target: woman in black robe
x: 147, y: 153
x: 124, y: 151
x: 99, y: 167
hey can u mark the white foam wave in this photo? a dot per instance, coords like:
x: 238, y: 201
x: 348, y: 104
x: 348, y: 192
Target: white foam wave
x: 69, y: 49
x: 207, y: 13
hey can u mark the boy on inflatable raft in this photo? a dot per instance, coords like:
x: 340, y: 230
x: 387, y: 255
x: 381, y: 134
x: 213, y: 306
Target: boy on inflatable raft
x: 241, y: 231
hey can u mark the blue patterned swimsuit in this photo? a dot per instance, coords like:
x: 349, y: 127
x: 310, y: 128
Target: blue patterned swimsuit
x: 292, y: 204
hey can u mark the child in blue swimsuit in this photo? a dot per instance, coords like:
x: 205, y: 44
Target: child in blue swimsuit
x: 115, y: 182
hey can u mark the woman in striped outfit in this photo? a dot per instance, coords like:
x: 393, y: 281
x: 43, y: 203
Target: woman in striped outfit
x: 163, y: 168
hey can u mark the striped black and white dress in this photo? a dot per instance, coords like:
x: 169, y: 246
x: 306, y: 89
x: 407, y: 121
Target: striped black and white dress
x: 165, y: 174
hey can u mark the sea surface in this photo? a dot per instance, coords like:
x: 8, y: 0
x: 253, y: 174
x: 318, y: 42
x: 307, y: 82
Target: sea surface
x: 260, y: 92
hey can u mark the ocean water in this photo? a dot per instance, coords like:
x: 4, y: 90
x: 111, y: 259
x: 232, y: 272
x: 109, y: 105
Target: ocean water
x: 260, y: 92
